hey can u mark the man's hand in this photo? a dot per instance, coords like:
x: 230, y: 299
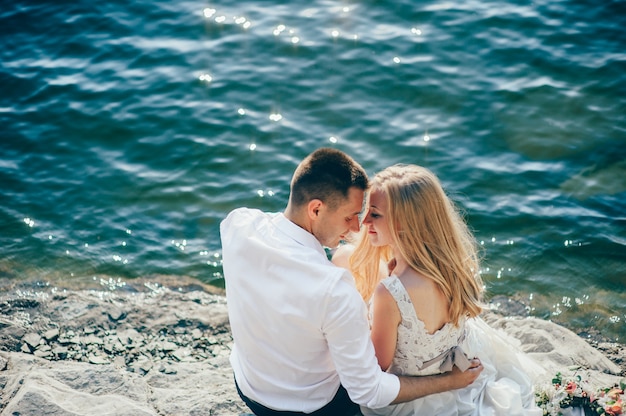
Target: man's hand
x: 460, y: 379
x: 412, y: 388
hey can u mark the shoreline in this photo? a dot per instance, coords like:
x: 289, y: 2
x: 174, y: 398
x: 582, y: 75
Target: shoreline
x: 161, y: 346
x: 141, y: 349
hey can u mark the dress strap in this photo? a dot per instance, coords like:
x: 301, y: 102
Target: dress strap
x: 403, y: 300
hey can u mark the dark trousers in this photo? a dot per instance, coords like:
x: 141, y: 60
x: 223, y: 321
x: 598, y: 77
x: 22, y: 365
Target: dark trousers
x: 340, y: 405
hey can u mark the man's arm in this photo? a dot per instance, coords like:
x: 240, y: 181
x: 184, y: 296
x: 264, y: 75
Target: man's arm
x: 412, y: 388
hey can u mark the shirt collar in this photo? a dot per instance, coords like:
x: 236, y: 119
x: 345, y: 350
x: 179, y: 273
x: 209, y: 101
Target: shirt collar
x: 297, y: 233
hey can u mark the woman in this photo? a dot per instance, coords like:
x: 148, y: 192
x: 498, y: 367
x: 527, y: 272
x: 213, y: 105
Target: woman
x: 424, y: 316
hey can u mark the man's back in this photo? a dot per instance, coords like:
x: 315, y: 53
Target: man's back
x: 285, y: 298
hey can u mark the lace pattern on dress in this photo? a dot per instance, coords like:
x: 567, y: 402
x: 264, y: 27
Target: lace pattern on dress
x: 415, y: 345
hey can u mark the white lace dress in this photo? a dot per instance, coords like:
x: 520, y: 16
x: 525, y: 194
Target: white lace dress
x: 503, y: 388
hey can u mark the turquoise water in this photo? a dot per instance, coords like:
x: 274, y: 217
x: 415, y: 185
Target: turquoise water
x: 130, y: 129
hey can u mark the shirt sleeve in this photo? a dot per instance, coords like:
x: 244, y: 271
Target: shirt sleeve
x: 347, y: 331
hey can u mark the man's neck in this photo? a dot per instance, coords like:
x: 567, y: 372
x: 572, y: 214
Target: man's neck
x: 297, y: 218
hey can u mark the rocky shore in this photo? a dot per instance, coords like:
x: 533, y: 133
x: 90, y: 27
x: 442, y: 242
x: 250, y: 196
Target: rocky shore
x: 148, y: 348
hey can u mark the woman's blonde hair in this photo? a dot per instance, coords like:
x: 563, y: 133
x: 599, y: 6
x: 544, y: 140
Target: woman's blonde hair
x: 430, y: 233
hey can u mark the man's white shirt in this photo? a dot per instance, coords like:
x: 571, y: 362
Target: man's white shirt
x: 299, y: 325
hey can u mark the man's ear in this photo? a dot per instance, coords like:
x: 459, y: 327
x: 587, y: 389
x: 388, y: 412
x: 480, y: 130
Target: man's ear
x: 313, y: 208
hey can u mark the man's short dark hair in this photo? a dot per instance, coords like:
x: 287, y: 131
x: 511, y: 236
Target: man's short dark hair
x: 326, y: 174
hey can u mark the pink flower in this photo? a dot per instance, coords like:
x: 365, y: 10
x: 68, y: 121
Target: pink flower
x: 614, y: 408
x: 571, y: 388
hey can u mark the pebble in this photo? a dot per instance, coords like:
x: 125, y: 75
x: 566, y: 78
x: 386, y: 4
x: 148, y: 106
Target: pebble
x: 51, y: 334
x: 181, y: 354
x: 32, y: 340
x: 60, y: 352
x: 97, y: 359
x: 105, y: 343
x: 168, y: 346
x: 116, y: 314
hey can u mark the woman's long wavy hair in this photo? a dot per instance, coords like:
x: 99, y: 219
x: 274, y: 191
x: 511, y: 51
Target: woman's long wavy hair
x: 430, y: 233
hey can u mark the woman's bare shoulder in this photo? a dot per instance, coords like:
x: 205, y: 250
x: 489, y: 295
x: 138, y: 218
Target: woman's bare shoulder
x: 341, y: 256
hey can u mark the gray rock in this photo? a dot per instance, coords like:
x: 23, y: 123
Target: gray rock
x: 32, y: 340
x: 90, y: 330
x: 167, y: 369
x: 92, y: 340
x: 116, y: 314
x: 146, y: 366
x: 129, y: 337
x: 43, y: 353
x: 121, y: 376
x: 60, y: 352
x: 98, y: 359
x: 51, y: 334
x: 69, y: 337
x: 69, y: 388
x: 168, y: 346
x: 181, y: 354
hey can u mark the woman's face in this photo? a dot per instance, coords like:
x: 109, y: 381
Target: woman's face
x: 376, y: 219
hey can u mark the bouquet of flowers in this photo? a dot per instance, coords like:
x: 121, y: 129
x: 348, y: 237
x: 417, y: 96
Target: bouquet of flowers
x: 611, y: 401
x: 564, y: 395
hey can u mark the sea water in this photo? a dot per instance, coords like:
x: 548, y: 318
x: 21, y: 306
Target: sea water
x: 129, y: 129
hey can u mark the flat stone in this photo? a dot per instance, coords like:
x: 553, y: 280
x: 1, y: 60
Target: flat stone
x: 146, y: 366
x: 113, y: 345
x: 98, y: 359
x: 90, y: 330
x: 51, y: 334
x: 92, y: 340
x: 69, y: 337
x: 129, y: 337
x: 181, y: 354
x: 32, y: 339
x: 43, y: 353
x: 168, y: 369
x: 168, y: 346
x: 60, y: 352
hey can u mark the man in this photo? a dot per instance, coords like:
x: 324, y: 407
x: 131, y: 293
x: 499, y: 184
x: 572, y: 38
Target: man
x: 300, y: 329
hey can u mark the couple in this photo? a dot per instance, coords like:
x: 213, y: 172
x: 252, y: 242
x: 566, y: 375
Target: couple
x: 302, y: 340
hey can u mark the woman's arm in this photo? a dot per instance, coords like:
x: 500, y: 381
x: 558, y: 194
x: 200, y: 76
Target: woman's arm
x: 385, y: 320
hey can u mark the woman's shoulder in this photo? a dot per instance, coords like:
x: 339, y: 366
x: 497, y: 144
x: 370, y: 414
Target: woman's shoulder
x: 341, y: 256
